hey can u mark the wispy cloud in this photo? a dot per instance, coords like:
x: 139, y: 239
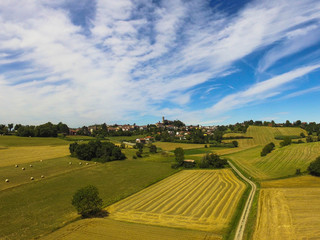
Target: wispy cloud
x: 130, y: 58
x: 260, y: 91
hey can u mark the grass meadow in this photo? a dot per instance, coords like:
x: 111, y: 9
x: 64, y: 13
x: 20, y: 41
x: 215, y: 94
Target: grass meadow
x: 33, y: 208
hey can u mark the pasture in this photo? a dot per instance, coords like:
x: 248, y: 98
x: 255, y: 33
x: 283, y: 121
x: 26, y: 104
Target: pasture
x: 281, y: 162
x: 289, y: 209
x: 41, y: 206
x: 263, y: 135
x: 106, y: 228
x: 193, y: 199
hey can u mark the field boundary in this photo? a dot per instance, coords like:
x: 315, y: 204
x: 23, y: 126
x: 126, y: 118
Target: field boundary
x: 246, y: 210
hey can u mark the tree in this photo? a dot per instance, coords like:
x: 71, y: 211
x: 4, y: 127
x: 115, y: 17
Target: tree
x: 314, y: 167
x: 179, y: 155
x: 235, y: 143
x: 153, y: 148
x: 309, y: 139
x: 286, y: 141
x: 267, y: 149
x: 87, y: 201
x: 302, y: 135
x: 10, y: 126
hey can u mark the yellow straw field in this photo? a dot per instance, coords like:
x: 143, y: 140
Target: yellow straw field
x: 194, y: 199
x: 290, y: 212
x: 19, y: 155
x: 106, y: 228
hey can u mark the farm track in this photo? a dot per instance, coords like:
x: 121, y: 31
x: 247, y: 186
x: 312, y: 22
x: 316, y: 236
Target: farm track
x: 194, y: 199
x: 246, y: 210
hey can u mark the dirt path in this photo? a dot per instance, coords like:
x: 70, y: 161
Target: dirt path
x: 246, y: 210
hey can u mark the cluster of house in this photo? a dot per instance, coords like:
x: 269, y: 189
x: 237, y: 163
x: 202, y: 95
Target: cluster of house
x: 179, y: 132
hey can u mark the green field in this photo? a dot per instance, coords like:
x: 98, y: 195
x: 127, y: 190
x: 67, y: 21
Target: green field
x: 281, y: 162
x: 36, y: 208
x: 169, y: 146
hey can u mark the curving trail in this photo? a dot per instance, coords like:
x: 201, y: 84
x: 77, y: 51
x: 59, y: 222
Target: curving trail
x: 246, y: 210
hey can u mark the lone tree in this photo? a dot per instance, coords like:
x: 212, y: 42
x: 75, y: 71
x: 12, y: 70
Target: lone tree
x: 314, y: 167
x: 87, y: 201
x: 179, y: 154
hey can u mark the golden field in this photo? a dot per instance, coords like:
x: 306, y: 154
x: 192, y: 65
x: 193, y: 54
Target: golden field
x: 290, y: 212
x: 193, y: 199
x: 105, y: 228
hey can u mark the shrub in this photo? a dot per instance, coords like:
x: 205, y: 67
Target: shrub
x: 267, y: 149
x: 309, y: 139
x: 138, y: 153
x: 235, y: 143
x: 153, y: 148
x: 286, y: 141
x: 87, y: 201
x: 314, y: 167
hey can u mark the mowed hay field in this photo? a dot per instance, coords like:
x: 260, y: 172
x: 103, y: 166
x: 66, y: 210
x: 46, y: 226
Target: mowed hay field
x: 106, y: 228
x: 193, y: 199
x: 289, y: 212
x: 280, y: 162
x: 18, y: 155
x: 264, y: 135
x: 15, y: 141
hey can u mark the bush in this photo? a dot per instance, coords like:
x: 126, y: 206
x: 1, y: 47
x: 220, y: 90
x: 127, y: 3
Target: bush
x: 153, y: 148
x: 309, y: 139
x: 235, y: 143
x: 87, y: 201
x: 267, y: 149
x: 138, y: 153
x: 314, y: 167
x: 286, y: 141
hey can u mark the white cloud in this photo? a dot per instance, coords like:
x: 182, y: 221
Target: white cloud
x: 137, y: 55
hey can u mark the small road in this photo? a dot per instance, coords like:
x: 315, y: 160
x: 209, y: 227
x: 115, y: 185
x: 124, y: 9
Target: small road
x: 247, y: 207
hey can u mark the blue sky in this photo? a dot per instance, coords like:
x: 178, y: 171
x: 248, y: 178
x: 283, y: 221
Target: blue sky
x: 134, y: 61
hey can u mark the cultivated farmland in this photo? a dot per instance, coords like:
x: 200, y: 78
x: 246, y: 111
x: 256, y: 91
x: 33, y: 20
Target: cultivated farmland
x: 193, y: 199
x: 279, y: 163
x: 289, y: 213
x: 264, y: 135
